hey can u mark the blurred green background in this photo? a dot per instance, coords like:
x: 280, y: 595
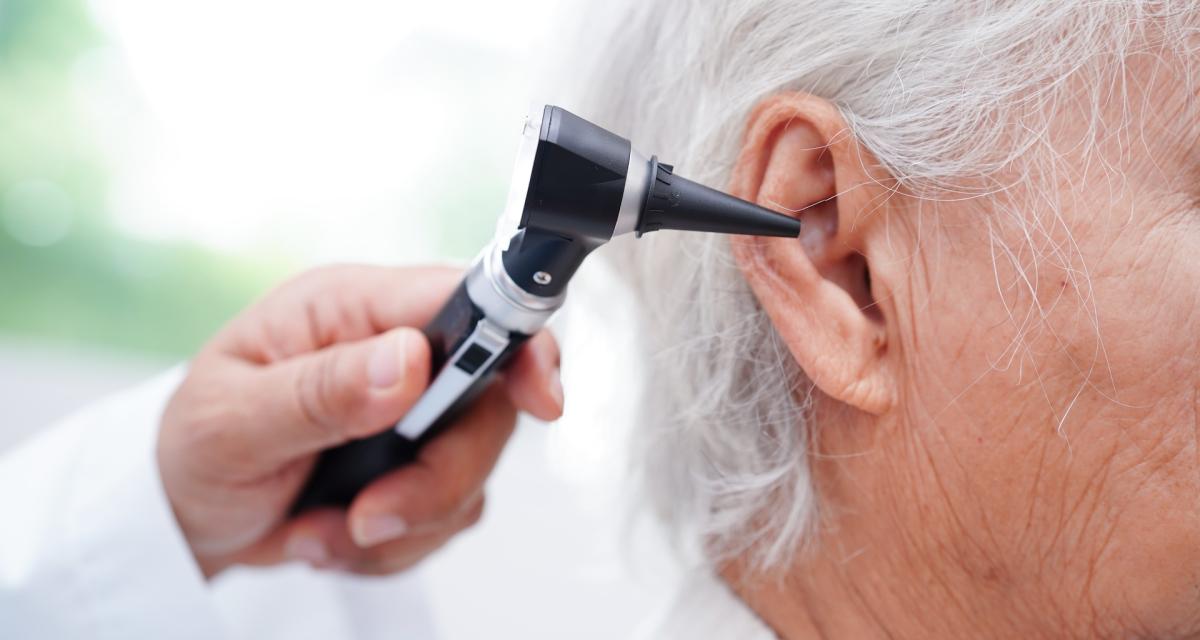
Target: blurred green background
x: 65, y: 273
x: 72, y: 273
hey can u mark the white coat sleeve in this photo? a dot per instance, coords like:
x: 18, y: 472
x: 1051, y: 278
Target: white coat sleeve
x: 89, y: 547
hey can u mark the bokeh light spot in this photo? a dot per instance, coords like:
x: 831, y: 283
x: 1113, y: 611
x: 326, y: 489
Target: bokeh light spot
x: 36, y: 213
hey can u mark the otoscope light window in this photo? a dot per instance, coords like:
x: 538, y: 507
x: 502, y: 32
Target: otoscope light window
x: 473, y: 358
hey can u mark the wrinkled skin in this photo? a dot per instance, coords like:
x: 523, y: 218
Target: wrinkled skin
x: 1023, y: 461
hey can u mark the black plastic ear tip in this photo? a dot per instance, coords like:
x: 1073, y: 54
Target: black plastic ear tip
x: 677, y: 203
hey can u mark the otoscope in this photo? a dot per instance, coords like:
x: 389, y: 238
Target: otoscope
x: 575, y: 186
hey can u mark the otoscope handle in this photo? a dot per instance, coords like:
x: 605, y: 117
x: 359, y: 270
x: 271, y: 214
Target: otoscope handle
x: 340, y: 473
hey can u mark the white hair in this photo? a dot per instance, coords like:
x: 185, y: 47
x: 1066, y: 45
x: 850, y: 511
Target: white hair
x: 941, y: 92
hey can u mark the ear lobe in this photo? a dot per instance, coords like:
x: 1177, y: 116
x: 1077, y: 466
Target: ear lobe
x: 798, y: 157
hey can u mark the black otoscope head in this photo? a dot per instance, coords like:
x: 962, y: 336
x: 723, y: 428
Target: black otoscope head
x: 584, y: 185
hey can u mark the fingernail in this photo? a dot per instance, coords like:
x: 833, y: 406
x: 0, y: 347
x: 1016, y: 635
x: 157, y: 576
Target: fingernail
x: 386, y: 363
x: 381, y: 528
x: 308, y: 549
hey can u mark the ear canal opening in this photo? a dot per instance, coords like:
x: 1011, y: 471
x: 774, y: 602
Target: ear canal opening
x: 872, y: 308
x: 860, y: 287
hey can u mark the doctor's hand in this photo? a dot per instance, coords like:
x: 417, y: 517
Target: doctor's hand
x: 329, y: 357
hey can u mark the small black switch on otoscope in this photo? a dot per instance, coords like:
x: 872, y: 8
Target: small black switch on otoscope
x: 473, y: 358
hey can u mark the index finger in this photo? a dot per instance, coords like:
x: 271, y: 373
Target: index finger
x: 334, y: 304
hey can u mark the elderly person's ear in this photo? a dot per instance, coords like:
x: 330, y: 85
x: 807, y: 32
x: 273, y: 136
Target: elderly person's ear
x: 799, y: 157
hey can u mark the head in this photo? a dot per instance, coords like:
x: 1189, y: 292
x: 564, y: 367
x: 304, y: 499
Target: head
x: 965, y: 400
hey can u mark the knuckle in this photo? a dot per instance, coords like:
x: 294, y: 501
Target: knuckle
x: 201, y: 424
x: 322, y: 275
x: 454, y: 499
x: 453, y: 476
x: 318, y: 400
x: 302, y: 282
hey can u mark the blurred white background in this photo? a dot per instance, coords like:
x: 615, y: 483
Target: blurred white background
x: 168, y: 161
x: 341, y: 130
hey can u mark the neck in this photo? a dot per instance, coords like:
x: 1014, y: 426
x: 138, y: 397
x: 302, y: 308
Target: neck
x: 809, y: 602
x: 835, y: 593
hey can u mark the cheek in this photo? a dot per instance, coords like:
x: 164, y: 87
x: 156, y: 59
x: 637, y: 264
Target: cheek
x: 1023, y: 353
x: 1060, y: 405
x: 1131, y: 341
x: 1144, y: 387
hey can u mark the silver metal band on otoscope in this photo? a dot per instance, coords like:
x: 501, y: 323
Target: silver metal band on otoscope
x: 637, y: 183
x: 502, y: 301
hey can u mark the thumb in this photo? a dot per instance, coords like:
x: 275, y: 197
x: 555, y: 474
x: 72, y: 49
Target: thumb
x: 346, y: 391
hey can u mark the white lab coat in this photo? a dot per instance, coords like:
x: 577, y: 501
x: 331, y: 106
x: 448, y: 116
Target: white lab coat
x: 89, y: 548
